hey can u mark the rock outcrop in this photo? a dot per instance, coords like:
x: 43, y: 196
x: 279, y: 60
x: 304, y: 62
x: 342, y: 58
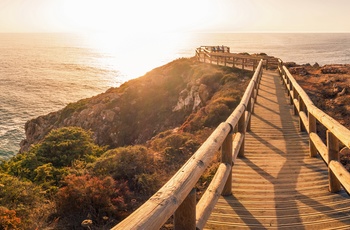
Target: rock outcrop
x: 334, y: 69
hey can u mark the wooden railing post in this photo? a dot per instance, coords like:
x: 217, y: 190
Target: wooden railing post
x: 226, y: 157
x: 333, y: 154
x: 260, y: 73
x: 258, y: 85
x: 241, y: 129
x: 287, y: 86
x: 283, y: 77
x: 185, y: 215
x: 295, y: 109
x: 255, y: 94
x: 280, y: 65
x: 290, y: 89
x: 312, y: 129
x: 301, y: 108
x: 243, y: 60
x: 249, y: 110
x: 292, y: 94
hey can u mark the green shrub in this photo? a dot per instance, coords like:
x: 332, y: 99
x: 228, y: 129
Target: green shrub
x: 130, y: 164
x: 175, y: 148
x: 23, y: 165
x: 210, y: 116
x: 64, y: 145
x: 147, y: 184
x: 171, y: 140
x: 49, y: 177
x: 231, y: 77
x: 47, y: 163
x: 22, y: 197
x: 125, y: 162
x: 195, y: 121
x: 217, y: 113
x: 230, y: 101
x: 211, y: 79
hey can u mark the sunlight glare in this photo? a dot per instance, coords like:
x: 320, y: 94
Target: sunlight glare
x: 119, y: 29
x: 130, y: 56
x: 141, y: 16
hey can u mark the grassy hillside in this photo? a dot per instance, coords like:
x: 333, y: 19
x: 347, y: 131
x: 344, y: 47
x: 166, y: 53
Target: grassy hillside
x: 95, y: 161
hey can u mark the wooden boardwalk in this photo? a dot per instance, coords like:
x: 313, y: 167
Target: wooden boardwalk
x: 277, y: 185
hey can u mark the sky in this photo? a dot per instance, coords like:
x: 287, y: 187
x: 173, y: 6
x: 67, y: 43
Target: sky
x: 152, y: 16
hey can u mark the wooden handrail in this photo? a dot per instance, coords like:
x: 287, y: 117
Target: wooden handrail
x: 157, y: 210
x: 336, y: 132
x: 231, y: 59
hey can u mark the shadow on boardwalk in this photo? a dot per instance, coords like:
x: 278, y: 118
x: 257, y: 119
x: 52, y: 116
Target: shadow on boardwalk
x: 277, y: 184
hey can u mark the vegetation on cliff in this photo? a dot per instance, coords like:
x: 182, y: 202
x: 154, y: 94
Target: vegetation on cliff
x: 328, y: 88
x: 95, y: 161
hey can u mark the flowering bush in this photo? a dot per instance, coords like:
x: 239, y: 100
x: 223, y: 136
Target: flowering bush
x: 91, y: 197
x: 8, y: 219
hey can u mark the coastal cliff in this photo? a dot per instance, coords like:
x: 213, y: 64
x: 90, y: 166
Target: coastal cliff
x: 139, y: 109
x: 95, y: 161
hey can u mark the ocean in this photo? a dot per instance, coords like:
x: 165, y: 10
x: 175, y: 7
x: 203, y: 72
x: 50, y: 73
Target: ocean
x: 42, y: 73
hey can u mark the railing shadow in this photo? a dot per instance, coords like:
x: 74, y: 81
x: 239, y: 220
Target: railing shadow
x: 284, y: 173
x: 267, y: 92
x: 287, y: 195
x: 241, y: 210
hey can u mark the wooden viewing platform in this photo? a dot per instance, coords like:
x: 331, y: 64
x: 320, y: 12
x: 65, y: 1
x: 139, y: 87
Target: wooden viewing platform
x: 220, y: 55
x: 276, y: 171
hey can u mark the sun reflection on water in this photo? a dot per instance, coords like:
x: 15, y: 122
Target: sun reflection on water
x: 135, y: 54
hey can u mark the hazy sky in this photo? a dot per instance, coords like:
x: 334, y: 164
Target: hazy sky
x: 119, y: 16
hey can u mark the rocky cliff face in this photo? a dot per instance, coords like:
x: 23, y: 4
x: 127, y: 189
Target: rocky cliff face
x: 135, y: 111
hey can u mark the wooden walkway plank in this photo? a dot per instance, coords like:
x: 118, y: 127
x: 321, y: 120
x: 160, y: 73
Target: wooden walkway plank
x: 277, y: 185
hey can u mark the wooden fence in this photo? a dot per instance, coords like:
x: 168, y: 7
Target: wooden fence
x: 309, y: 115
x: 225, y: 58
x: 178, y: 196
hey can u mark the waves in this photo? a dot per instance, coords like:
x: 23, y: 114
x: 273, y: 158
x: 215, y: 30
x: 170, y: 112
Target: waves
x: 40, y: 78
x: 11, y: 131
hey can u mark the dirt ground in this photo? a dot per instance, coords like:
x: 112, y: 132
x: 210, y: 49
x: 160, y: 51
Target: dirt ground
x: 329, y: 88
